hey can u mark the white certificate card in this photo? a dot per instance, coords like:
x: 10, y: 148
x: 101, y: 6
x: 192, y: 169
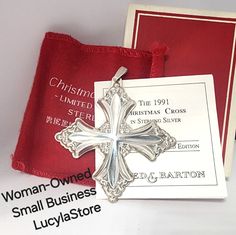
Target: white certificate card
x: 184, y: 107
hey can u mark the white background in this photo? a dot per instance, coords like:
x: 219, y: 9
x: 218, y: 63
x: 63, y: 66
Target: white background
x: 22, y: 27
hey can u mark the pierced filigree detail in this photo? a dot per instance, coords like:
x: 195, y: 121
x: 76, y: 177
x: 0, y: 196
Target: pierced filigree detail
x: 115, y: 193
x: 115, y: 139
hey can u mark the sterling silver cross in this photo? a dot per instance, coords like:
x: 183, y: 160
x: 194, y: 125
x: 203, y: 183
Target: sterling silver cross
x: 115, y: 139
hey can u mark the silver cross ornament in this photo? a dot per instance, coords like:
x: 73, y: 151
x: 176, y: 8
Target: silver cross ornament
x: 115, y: 139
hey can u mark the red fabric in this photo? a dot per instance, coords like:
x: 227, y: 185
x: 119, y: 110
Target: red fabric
x: 63, y: 90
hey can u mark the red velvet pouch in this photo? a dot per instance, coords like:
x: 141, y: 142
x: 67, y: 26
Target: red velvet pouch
x: 63, y: 90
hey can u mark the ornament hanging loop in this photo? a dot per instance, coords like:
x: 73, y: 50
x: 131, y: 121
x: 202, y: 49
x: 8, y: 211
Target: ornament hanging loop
x: 117, y: 78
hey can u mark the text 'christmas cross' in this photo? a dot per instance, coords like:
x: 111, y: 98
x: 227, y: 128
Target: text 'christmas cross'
x: 115, y: 139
